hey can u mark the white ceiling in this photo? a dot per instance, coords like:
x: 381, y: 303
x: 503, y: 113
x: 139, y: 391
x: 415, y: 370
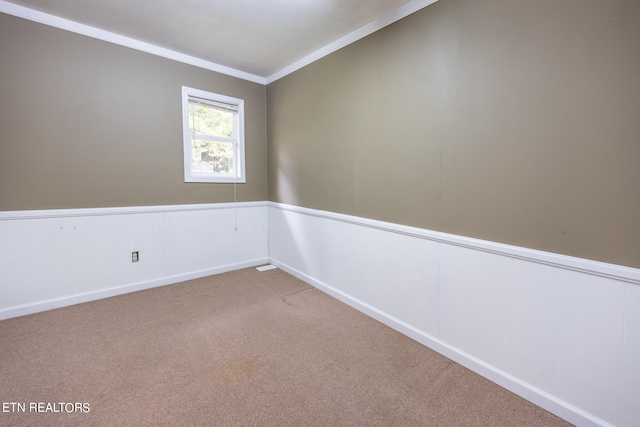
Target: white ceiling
x: 258, y: 37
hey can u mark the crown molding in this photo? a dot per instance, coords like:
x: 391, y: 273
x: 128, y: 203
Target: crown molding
x: 395, y: 15
x: 89, y: 31
x: 96, y: 33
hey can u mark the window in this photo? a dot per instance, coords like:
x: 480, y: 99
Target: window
x: 213, y: 137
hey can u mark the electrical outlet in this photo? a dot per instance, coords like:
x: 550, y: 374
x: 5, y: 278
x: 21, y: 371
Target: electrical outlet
x: 134, y: 256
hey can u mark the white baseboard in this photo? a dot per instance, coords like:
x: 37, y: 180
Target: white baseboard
x: 539, y: 397
x: 561, y: 332
x: 54, y: 258
x: 51, y: 304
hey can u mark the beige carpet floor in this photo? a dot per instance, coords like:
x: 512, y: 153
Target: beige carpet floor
x: 244, y: 348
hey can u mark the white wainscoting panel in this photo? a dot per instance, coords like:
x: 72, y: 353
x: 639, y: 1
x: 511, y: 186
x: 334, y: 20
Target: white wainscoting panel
x: 300, y: 240
x: 142, y: 233
x: 532, y: 337
x: 55, y: 258
x: 366, y: 263
x: 631, y: 358
x: 560, y: 331
x: 588, y: 343
x: 52, y: 257
x: 477, y: 311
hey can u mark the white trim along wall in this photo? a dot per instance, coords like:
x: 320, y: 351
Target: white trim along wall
x: 562, y: 332
x: 55, y: 258
x: 55, y: 21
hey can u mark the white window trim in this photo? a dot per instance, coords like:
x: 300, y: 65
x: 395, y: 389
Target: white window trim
x: 240, y: 174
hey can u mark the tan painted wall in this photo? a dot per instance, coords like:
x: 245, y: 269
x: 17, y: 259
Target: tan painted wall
x: 85, y: 123
x: 511, y: 121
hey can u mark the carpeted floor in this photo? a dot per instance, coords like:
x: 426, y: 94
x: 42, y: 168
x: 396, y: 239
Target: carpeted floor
x: 242, y: 348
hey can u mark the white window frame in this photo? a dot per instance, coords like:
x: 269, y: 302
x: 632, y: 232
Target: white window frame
x: 239, y: 175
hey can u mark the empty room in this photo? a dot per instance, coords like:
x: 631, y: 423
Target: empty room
x: 367, y: 212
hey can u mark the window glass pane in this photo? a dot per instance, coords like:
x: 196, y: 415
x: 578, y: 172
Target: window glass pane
x: 213, y: 137
x: 211, y: 121
x: 209, y: 157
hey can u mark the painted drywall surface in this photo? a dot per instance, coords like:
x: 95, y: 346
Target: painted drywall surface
x: 85, y: 123
x: 514, y: 122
